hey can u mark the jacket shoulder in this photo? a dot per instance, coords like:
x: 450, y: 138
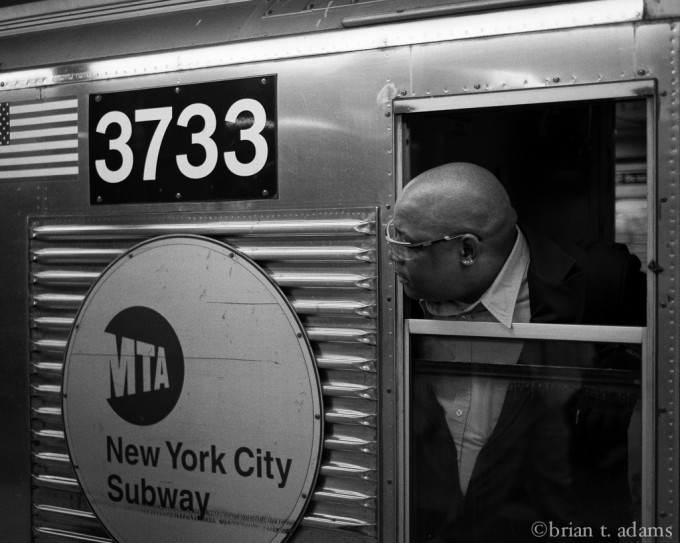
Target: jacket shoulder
x: 605, y: 281
x: 616, y: 287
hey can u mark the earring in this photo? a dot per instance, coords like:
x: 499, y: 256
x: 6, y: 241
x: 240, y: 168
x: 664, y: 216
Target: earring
x: 468, y: 261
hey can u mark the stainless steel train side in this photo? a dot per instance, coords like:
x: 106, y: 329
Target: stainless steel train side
x: 353, y: 79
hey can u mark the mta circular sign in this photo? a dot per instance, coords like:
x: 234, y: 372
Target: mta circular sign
x: 192, y: 404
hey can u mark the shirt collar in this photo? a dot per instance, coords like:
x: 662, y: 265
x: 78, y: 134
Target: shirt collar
x: 501, y: 297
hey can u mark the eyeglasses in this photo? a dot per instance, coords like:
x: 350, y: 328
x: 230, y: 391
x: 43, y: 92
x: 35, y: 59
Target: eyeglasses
x: 404, y: 250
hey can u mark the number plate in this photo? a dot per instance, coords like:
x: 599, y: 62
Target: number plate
x: 209, y: 141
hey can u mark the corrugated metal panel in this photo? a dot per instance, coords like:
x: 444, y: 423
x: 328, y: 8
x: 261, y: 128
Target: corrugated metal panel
x: 326, y: 266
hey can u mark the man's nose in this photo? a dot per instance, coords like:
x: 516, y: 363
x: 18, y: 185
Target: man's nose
x: 396, y: 259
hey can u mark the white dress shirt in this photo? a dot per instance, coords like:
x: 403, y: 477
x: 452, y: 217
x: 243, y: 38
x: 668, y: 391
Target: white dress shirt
x: 472, y: 404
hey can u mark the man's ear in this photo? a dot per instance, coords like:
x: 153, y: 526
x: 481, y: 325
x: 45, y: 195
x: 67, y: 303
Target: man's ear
x: 468, y: 250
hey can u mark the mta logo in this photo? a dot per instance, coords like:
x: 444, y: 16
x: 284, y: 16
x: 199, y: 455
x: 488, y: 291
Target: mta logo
x: 131, y: 355
x: 147, y: 373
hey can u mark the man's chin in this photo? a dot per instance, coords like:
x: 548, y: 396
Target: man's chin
x: 409, y: 288
x: 411, y: 292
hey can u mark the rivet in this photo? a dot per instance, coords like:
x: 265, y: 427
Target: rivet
x: 317, y: 416
x: 98, y: 98
x: 178, y: 196
x: 641, y: 72
x: 388, y: 114
x: 177, y: 90
x: 99, y: 199
x: 556, y: 79
x: 265, y: 193
x: 263, y: 81
x: 231, y: 255
x: 403, y: 93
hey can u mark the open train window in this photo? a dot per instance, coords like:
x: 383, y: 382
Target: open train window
x: 540, y: 430
x: 573, y: 170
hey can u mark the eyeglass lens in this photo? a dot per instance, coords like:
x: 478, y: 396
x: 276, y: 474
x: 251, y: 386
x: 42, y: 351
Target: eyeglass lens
x: 399, y: 252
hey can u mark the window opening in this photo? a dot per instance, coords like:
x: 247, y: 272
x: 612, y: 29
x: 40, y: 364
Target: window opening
x: 576, y: 173
x: 573, y: 171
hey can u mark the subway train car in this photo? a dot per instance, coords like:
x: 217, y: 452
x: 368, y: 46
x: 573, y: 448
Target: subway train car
x: 203, y: 337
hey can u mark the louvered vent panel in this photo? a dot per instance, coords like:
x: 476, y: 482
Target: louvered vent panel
x: 325, y: 262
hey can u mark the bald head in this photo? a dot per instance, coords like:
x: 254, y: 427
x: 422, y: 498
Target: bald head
x: 455, y: 199
x: 460, y: 197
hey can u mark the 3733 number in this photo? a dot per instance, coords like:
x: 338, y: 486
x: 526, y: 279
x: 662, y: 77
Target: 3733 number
x: 163, y: 116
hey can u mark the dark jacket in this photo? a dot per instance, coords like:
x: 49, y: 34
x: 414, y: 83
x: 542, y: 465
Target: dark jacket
x: 522, y: 474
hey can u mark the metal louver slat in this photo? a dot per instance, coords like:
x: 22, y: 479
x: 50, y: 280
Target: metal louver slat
x: 64, y: 511
x: 49, y: 345
x: 64, y: 535
x: 350, y: 443
x: 349, y: 335
x: 65, y: 278
x: 55, y: 435
x: 336, y: 361
x: 207, y: 227
x: 58, y: 300
x: 47, y: 412
x: 46, y: 389
x: 52, y: 457
x: 59, y: 255
x: 299, y: 280
x: 350, y: 465
x: 53, y: 323
x: 52, y: 481
x: 325, y: 266
x: 350, y: 417
x: 342, y: 517
x: 74, y: 255
x: 348, y: 470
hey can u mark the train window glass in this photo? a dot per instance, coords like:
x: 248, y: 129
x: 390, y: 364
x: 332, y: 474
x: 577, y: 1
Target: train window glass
x: 557, y: 452
x: 512, y: 438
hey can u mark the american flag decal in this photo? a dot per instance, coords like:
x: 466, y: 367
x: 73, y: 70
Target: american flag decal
x: 39, y: 139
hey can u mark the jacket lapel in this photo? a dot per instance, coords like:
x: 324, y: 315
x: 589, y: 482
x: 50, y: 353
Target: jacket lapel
x: 556, y: 284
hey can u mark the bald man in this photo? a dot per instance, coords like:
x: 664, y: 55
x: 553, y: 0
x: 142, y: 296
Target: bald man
x: 490, y: 458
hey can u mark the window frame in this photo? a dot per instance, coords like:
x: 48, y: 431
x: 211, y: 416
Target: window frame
x: 644, y: 336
